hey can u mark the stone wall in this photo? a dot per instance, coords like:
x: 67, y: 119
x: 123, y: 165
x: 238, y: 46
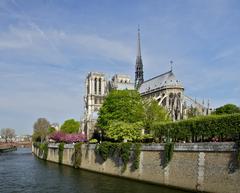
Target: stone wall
x: 208, y: 167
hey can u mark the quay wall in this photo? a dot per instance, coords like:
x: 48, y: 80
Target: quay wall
x: 204, y: 167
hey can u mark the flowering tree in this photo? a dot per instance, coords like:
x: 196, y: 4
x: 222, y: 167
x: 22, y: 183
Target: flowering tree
x: 67, y: 138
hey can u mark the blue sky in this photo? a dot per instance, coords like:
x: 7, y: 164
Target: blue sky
x: 47, y: 47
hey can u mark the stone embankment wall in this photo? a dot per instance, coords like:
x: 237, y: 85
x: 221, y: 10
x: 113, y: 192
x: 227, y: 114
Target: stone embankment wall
x: 208, y: 167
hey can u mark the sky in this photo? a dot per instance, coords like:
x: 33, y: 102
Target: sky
x: 47, y: 47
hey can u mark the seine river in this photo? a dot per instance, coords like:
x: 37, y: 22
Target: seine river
x: 20, y: 171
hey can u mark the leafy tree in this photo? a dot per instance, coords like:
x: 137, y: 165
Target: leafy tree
x: 153, y: 113
x: 8, y: 133
x: 51, y: 130
x: 40, y: 129
x: 120, y: 131
x: 70, y: 126
x: 120, y: 105
x: 227, y: 109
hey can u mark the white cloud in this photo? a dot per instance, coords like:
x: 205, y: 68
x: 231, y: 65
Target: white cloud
x: 51, y: 45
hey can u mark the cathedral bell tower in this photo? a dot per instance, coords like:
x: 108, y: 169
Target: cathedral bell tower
x: 139, y: 65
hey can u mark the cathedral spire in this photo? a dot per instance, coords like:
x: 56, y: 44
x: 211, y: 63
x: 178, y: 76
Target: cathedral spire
x: 138, y: 44
x: 139, y: 65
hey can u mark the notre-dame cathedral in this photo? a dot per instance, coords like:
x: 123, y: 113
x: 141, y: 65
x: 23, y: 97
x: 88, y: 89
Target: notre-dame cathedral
x: 165, y: 88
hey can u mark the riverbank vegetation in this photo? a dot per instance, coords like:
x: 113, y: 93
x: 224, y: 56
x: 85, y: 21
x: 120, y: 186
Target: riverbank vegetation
x: 124, y: 151
x: 60, y: 136
x: 60, y: 152
x: 205, y: 128
x: 124, y: 115
x: 125, y: 120
x: 77, y: 155
x: 44, y: 131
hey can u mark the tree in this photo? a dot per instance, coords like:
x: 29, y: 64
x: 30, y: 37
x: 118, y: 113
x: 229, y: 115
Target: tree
x: 227, y: 109
x: 120, y: 105
x: 8, y: 133
x: 51, y: 130
x: 120, y: 131
x: 121, y: 114
x: 70, y: 126
x: 153, y: 113
x: 40, y: 129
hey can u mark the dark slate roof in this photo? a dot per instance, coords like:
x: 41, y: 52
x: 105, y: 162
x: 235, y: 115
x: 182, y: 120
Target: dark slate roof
x: 159, y: 82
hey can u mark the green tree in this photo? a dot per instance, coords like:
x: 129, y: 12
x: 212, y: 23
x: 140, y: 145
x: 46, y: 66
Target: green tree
x: 120, y: 105
x: 120, y: 131
x: 153, y: 113
x: 40, y: 129
x: 70, y: 126
x: 227, y: 109
x: 51, y: 130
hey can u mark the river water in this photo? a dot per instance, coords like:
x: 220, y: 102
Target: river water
x: 20, y: 171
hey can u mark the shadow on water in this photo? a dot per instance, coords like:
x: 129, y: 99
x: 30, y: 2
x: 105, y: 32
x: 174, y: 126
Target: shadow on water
x: 26, y: 173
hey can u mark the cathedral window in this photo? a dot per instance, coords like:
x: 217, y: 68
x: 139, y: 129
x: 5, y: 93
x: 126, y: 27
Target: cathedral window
x: 100, y: 86
x: 95, y: 85
x: 88, y: 83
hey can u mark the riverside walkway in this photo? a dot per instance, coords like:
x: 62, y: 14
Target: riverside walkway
x: 6, y: 147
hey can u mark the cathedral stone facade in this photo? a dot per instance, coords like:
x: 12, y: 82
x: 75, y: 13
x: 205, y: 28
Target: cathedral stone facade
x: 168, y: 91
x: 165, y: 88
x: 97, y: 88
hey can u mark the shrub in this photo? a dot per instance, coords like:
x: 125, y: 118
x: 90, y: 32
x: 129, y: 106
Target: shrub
x: 223, y: 126
x: 93, y: 141
x: 45, y: 151
x: 106, y: 149
x: 122, y: 150
x: 168, y: 153
x: 227, y: 109
x: 77, y: 155
x: 60, y: 152
x: 36, y: 144
x: 125, y: 153
x: 136, y: 158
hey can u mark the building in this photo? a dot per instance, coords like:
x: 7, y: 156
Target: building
x: 168, y: 91
x: 165, y: 88
x: 97, y: 87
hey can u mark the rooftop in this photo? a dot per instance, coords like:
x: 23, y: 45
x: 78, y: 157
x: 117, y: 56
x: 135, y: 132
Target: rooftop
x: 159, y: 82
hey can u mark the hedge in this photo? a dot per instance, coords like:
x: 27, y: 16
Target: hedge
x: 223, y: 127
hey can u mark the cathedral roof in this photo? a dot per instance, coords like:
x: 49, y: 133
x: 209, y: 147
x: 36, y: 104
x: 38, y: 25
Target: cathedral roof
x: 166, y: 80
